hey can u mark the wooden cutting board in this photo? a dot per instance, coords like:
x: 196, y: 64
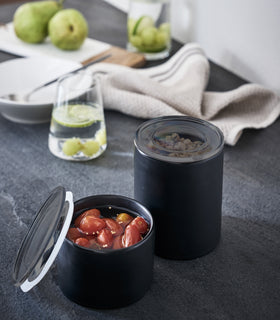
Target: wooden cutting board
x: 120, y: 56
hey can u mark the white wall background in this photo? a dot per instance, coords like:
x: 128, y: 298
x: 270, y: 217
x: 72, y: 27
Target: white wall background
x: 241, y: 35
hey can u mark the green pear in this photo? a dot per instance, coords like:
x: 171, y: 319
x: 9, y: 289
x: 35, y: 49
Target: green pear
x: 31, y: 20
x: 68, y: 29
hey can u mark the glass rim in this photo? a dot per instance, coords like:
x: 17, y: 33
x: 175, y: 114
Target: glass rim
x: 94, y: 79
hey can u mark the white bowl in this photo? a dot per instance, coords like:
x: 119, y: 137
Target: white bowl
x: 22, y: 75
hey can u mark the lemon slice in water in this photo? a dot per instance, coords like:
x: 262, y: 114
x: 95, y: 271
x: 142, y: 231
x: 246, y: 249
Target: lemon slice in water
x: 77, y: 115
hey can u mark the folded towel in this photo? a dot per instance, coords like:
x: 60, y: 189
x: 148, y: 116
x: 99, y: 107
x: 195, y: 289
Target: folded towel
x: 177, y: 87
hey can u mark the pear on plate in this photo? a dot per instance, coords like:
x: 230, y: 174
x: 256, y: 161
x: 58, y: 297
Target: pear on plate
x: 31, y: 20
x: 68, y: 29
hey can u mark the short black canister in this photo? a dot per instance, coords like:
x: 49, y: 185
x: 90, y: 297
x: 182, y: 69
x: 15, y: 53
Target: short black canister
x: 178, y: 176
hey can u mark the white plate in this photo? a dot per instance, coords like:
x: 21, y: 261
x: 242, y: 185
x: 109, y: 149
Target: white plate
x: 22, y: 75
x: 9, y: 42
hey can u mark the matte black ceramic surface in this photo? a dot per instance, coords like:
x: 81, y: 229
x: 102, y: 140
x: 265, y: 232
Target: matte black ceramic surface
x: 112, y: 278
x: 185, y: 200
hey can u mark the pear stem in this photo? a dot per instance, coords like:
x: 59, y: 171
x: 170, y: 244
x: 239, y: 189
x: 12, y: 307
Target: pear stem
x: 60, y: 2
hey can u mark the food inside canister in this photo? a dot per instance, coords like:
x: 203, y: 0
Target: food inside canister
x: 95, y: 229
x: 176, y: 145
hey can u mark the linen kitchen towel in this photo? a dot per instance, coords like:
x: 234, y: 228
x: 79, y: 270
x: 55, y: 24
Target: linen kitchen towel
x: 177, y: 87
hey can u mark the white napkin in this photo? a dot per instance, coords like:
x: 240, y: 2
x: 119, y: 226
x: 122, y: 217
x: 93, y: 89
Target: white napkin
x: 177, y: 87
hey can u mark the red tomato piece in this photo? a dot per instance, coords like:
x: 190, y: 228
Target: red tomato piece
x: 117, y: 244
x: 124, y: 219
x: 89, y: 237
x: 140, y: 224
x: 73, y: 234
x: 115, y: 228
x: 93, y: 244
x: 91, y: 212
x: 105, y: 238
x: 78, y: 220
x: 131, y: 236
x: 91, y: 225
x: 83, y: 242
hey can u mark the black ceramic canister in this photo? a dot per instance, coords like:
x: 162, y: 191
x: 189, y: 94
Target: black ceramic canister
x: 108, y: 278
x: 178, y: 175
x: 94, y: 278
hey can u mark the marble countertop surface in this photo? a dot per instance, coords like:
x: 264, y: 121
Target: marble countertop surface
x: 240, y: 279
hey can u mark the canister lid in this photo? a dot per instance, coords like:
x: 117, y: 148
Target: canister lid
x: 179, y: 139
x: 44, y: 239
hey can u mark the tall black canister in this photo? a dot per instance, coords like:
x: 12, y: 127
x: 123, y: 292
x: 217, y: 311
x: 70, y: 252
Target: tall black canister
x: 178, y: 176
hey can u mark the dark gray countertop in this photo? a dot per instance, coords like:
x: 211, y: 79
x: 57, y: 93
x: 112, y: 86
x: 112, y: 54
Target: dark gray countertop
x: 240, y: 279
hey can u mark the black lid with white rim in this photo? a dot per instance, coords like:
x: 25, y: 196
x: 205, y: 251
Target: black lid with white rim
x: 44, y: 239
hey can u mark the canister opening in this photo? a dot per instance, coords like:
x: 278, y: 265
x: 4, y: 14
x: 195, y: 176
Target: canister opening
x: 117, y: 204
x: 179, y: 139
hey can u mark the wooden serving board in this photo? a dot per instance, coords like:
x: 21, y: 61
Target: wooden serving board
x: 120, y: 56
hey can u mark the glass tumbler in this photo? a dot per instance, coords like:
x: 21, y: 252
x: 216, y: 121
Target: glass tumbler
x: 148, y: 28
x: 77, y: 129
